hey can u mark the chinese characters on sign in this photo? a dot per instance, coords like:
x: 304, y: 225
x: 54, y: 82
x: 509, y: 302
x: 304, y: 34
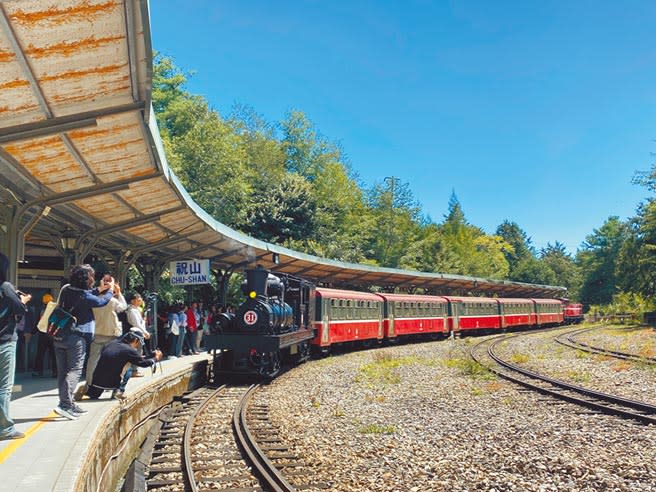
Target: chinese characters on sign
x: 190, y: 272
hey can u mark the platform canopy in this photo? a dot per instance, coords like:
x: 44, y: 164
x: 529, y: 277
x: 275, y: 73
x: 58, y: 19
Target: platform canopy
x: 82, y: 165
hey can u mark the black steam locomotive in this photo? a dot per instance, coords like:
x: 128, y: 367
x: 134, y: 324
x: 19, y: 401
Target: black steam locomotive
x: 273, y: 325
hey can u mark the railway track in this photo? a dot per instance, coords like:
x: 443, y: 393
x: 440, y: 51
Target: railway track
x: 569, y: 339
x: 578, y: 395
x: 217, y: 439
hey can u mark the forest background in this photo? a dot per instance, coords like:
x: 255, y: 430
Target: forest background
x: 285, y: 183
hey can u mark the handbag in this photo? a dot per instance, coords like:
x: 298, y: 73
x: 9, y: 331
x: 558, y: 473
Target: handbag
x: 42, y: 325
x: 175, y: 329
x: 60, y: 322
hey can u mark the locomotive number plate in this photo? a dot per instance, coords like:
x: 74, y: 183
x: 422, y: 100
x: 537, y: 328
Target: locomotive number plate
x: 250, y: 317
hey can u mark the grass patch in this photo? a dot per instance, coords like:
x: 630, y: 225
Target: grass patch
x: 519, y: 358
x: 383, y: 368
x: 338, y: 412
x: 579, y: 377
x: 582, y: 354
x: 377, y: 429
x: 470, y: 367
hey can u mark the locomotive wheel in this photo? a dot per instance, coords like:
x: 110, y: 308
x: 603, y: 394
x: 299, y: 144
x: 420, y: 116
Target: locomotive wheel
x: 303, y: 351
x: 272, y: 368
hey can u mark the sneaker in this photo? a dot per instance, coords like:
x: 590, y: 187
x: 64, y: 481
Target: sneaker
x: 118, y: 395
x: 13, y: 435
x: 78, y: 410
x: 66, y: 413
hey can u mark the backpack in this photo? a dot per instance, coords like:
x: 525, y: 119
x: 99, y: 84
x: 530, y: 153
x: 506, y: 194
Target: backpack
x: 123, y: 318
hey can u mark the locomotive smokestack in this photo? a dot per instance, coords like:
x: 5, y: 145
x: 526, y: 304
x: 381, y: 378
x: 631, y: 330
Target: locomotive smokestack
x: 256, y: 281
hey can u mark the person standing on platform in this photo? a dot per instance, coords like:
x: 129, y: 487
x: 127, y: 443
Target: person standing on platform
x: 136, y: 321
x: 108, y: 328
x: 173, y: 331
x: 193, y: 319
x: 202, y: 325
x: 79, y: 299
x: 12, y: 306
x: 182, y: 326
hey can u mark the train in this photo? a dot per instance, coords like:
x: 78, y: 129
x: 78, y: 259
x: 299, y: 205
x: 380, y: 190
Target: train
x: 287, y: 319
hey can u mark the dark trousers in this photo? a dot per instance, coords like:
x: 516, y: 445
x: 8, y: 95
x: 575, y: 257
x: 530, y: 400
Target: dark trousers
x: 189, y: 341
x: 70, y: 354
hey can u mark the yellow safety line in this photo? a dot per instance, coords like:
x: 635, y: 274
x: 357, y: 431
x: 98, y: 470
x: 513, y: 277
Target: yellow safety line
x: 9, y: 450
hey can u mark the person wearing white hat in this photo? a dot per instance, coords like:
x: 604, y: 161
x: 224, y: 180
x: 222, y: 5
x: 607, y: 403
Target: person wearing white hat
x: 113, y: 360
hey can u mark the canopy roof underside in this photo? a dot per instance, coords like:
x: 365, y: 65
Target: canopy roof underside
x: 80, y: 154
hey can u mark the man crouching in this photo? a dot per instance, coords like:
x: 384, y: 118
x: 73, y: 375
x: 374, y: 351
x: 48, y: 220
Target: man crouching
x: 114, y: 358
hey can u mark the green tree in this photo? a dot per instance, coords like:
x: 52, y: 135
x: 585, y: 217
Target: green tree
x: 467, y: 250
x: 597, y: 260
x: 565, y: 269
x: 397, y: 221
x: 521, y: 250
x: 455, y: 218
x: 533, y: 271
x: 286, y: 213
x: 344, y: 222
x: 307, y: 152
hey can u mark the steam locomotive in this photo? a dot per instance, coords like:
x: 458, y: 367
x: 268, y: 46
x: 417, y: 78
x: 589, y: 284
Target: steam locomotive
x: 271, y: 326
x: 285, y: 319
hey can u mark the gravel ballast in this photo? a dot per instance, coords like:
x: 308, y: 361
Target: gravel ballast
x: 419, y: 417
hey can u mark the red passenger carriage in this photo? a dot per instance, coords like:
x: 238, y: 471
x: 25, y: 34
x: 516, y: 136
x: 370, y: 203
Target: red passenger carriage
x: 346, y: 316
x: 517, y: 312
x: 548, y: 311
x: 473, y: 313
x: 406, y: 315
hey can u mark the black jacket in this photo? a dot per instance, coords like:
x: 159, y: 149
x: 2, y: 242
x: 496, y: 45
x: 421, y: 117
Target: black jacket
x: 113, y: 358
x: 11, y: 308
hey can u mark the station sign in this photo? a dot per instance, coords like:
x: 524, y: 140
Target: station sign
x: 190, y: 272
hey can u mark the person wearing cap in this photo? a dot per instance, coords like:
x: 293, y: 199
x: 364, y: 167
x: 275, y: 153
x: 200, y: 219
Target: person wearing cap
x: 114, y: 358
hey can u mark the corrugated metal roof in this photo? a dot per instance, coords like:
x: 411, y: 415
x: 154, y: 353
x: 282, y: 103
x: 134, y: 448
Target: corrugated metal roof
x: 80, y: 151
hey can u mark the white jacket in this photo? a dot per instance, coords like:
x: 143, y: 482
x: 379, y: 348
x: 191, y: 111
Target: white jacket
x: 107, y: 323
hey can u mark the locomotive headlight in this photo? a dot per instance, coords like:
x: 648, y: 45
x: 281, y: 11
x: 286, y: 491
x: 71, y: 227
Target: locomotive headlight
x: 252, y: 294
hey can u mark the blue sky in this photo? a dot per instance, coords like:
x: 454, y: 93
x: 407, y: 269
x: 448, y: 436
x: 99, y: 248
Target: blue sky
x: 535, y: 112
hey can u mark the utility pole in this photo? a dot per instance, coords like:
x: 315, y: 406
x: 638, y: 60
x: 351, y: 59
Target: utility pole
x: 391, y: 182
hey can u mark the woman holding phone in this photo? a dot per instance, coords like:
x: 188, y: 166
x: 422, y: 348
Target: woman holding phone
x: 12, y: 307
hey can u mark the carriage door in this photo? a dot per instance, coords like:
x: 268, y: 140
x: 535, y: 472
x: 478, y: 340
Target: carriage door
x: 454, y: 307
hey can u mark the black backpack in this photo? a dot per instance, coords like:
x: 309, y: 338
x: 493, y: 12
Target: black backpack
x: 123, y: 318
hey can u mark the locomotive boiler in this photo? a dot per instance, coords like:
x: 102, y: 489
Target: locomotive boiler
x: 273, y: 325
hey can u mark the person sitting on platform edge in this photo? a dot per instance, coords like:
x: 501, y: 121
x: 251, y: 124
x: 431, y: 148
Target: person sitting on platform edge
x: 113, y: 359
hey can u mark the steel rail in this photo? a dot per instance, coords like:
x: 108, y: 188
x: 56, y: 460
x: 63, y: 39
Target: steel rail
x: 265, y: 469
x: 187, y: 467
x: 568, y: 340
x: 628, y: 408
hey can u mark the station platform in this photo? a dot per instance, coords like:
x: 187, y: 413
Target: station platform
x: 55, y: 450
